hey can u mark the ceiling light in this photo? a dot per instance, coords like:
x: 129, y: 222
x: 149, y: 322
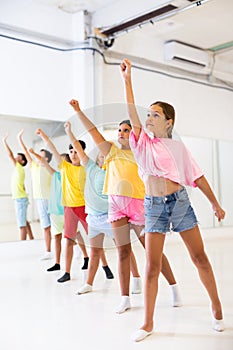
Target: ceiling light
x: 71, y: 6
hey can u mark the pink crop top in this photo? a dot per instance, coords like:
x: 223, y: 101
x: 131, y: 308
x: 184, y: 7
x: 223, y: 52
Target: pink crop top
x: 164, y: 157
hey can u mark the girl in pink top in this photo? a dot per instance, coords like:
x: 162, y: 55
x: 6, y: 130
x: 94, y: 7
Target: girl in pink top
x: 125, y: 210
x: 165, y: 167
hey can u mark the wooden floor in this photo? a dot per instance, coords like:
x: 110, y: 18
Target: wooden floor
x: 36, y: 312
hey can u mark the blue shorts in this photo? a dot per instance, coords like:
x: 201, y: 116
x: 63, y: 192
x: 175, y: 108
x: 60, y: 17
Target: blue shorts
x: 21, y: 205
x: 42, y: 207
x: 172, y: 212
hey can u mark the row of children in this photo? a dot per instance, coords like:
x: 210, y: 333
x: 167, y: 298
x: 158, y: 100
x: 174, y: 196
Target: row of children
x: 151, y: 204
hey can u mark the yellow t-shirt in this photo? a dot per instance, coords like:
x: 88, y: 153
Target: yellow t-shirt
x: 122, y: 177
x: 17, y: 182
x: 41, y: 181
x: 72, y: 181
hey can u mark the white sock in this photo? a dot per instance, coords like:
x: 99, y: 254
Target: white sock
x: 176, y: 298
x: 85, y: 274
x: 86, y: 288
x: 137, y: 285
x: 124, y: 305
x: 218, y: 325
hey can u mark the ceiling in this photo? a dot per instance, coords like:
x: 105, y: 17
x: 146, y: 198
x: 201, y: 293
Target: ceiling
x: 209, y: 26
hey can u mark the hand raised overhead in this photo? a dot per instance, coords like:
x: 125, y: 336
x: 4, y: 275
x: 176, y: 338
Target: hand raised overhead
x: 75, y: 105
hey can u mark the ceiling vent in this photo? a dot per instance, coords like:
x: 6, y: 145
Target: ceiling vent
x: 188, y: 57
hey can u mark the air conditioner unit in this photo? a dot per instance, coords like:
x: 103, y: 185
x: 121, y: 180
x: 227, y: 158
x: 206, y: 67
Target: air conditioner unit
x: 187, y: 57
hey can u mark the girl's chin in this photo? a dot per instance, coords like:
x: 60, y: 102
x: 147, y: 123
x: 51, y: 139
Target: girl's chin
x: 149, y: 128
x: 123, y: 141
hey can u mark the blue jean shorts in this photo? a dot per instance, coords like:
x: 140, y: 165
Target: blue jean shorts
x: 42, y: 207
x: 169, y: 213
x: 21, y: 205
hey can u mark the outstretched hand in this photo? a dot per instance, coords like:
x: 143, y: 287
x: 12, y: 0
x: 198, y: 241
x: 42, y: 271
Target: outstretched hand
x: 38, y: 131
x: 125, y: 67
x: 5, y: 137
x: 67, y: 127
x: 42, y: 134
x: 75, y: 105
x: 20, y: 134
x: 31, y: 151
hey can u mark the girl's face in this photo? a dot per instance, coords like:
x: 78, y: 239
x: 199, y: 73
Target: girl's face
x: 43, y: 155
x: 19, y: 159
x: 156, y: 121
x: 123, y: 134
x: 74, y: 157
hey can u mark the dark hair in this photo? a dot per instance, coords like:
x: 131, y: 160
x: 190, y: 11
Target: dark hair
x: 48, y: 154
x: 66, y: 157
x: 168, y: 110
x: 24, y: 159
x: 169, y: 113
x: 126, y: 121
x: 82, y: 143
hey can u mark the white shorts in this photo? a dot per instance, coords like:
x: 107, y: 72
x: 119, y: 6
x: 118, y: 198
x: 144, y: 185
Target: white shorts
x: 57, y: 224
x: 98, y: 224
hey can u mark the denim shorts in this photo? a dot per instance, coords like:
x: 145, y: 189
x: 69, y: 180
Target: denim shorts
x: 169, y: 213
x: 42, y: 207
x: 21, y: 205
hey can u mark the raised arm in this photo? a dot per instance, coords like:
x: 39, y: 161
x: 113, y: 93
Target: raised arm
x: 22, y: 145
x: 9, y: 151
x: 103, y: 145
x: 42, y: 160
x: 50, y: 145
x: 76, y: 144
x: 204, y: 186
x: 132, y: 111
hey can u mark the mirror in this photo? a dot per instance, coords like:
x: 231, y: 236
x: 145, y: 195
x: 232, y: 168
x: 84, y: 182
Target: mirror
x: 12, y: 126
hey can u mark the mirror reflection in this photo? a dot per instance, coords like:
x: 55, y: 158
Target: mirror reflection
x: 15, y: 185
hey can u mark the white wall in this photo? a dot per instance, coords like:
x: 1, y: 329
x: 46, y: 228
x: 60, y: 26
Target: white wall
x: 225, y: 151
x: 38, y: 82
x: 201, y: 110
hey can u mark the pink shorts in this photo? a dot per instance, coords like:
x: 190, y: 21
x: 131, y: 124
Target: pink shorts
x: 72, y: 217
x: 132, y: 208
